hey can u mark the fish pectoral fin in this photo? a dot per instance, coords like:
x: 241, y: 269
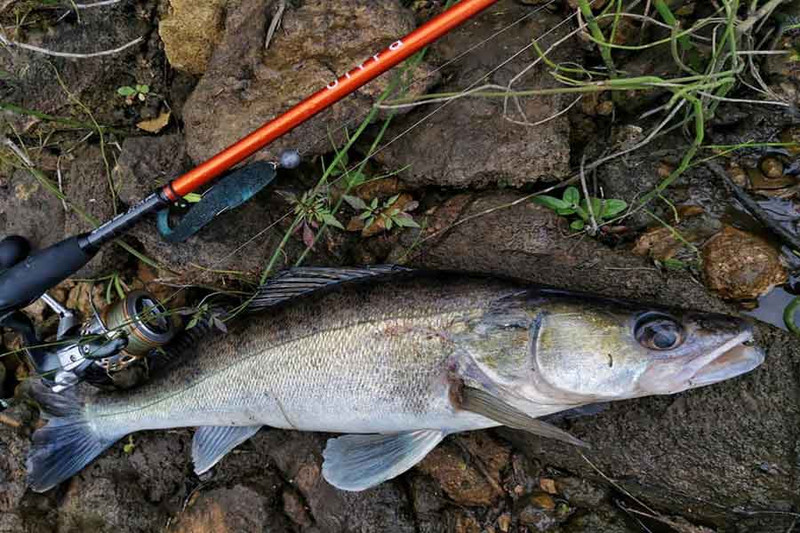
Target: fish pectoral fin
x: 212, y: 443
x: 485, y: 404
x: 358, y: 462
x: 305, y: 280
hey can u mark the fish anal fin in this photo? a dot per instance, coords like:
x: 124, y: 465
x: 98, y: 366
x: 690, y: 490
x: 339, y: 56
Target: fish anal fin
x: 358, y: 462
x: 211, y: 443
x: 305, y: 280
x: 488, y: 405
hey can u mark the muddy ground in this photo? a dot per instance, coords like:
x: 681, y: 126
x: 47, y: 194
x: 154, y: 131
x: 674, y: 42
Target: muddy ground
x: 722, y: 458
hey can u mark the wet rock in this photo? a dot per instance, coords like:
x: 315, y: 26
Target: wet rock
x: 318, y: 42
x: 740, y: 265
x: 472, y: 479
x: 229, y: 510
x: 227, y: 243
x: 468, y: 143
x: 190, y: 32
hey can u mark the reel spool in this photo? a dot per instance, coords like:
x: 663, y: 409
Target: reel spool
x: 143, y: 322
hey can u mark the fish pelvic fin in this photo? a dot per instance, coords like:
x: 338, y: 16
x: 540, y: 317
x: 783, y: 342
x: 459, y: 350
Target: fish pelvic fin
x: 67, y: 443
x: 211, y: 443
x: 488, y: 405
x: 358, y: 462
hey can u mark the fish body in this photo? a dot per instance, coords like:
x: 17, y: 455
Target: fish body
x: 397, y: 361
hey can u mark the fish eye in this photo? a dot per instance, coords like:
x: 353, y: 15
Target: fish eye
x: 659, y: 332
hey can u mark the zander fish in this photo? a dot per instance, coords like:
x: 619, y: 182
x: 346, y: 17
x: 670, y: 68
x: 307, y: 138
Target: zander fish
x: 397, y: 360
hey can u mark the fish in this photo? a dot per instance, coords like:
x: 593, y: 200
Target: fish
x: 395, y: 360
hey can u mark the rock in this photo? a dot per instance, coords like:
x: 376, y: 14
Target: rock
x: 318, y: 42
x: 463, y: 481
x: 468, y: 143
x: 740, y: 265
x: 190, y: 32
x: 229, y: 510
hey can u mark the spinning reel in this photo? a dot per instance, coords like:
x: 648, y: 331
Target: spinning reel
x: 112, y: 349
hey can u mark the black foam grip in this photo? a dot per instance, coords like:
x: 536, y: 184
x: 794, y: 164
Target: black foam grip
x: 30, y: 278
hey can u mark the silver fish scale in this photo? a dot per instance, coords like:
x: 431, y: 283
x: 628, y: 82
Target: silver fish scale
x: 368, y: 359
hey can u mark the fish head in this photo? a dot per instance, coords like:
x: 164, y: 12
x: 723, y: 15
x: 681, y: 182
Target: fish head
x: 606, y: 349
x: 582, y: 349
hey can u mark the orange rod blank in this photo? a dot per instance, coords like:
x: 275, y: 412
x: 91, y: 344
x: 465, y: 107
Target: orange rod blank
x: 332, y: 93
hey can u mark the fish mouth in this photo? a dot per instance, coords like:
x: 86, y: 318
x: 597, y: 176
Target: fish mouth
x: 734, y: 358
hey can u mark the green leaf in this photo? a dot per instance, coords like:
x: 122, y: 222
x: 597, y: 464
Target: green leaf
x: 577, y: 225
x: 612, y: 208
x: 392, y: 200
x: 355, y: 202
x: 374, y: 204
x: 330, y: 220
x: 551, y: 202
x: 193, y: 197
x: 565, y: 212
x: 126, y: 90
x: 597, y: 207
x: 572, y: 195
x: 387, y: 223
x: 674, y: 264
x: 143, y: 89
x: 365, y: 215
x: 405, y: 220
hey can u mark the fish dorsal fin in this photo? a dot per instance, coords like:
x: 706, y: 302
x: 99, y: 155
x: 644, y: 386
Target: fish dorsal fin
x: 485, y: 404
x: 212, y: 443
x: 305, y: 280
x: 358, y: 462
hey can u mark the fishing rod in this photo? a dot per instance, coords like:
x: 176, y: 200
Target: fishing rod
x: 119, y: 346
x: 27, y: 277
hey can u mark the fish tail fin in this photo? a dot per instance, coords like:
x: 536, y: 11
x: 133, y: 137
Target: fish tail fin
x: 67, y: 443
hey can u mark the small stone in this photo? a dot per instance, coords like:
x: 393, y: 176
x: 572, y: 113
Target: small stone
x: 190, y: 32
x: 658, y: 243
x: 548, y: 485
x: 543, y: 501
x: 504, y: 522
x: 738, y: 175
x: 289, y: 159
x: 741, y: 266
x: 461, y: 480
x: 771, y: 167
